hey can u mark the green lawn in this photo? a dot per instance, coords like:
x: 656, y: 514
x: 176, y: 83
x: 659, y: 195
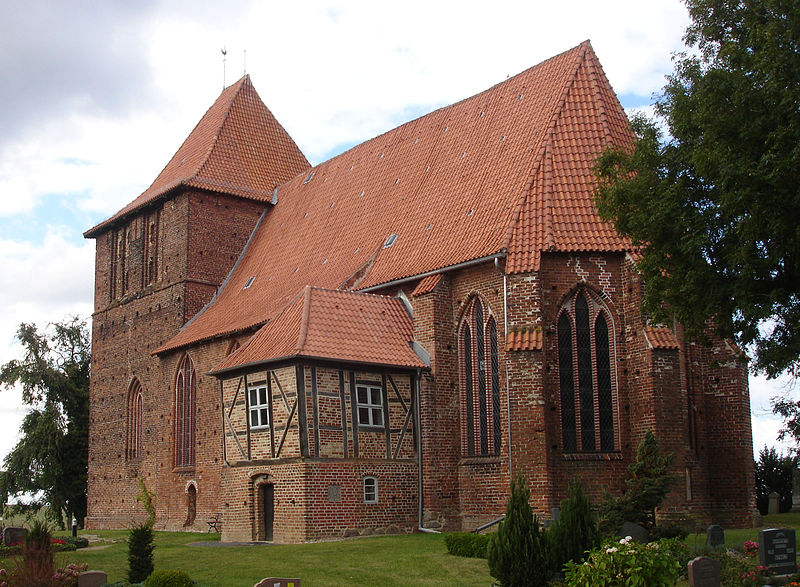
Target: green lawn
x: 417, y: 559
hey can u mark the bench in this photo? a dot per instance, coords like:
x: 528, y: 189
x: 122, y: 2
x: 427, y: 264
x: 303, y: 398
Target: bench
x: 215, y: 523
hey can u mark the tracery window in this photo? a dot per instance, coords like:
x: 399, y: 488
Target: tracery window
x: 185, y: 403
x: 585, y: 376
x: 480, y: 380
x: 133, y: 439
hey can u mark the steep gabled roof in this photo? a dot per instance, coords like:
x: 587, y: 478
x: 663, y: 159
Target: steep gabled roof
x: 508, y: 170
x: 332, y: 325
x: 237, y: 148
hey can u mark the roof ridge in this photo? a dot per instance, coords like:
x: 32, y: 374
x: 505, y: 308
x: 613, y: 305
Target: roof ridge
x: 242, y: 82
x: 548, y: 135
x: 601, y: 104
x: 301, y: 339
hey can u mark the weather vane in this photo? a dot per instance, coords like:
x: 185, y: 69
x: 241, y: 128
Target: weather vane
x: 224, y: 57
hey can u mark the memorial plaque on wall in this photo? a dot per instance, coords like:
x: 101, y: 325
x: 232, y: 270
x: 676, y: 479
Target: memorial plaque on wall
x: 776, y: 550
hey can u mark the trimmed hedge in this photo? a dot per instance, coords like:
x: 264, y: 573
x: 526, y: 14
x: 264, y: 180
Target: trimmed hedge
x: 170, y: 578
x: 466, y: 544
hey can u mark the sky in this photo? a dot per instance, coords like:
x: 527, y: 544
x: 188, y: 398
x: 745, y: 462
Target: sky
x: 96, y: 96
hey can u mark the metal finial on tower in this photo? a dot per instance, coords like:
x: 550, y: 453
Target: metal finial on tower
x: 224, y: 58
x: 245, y: 62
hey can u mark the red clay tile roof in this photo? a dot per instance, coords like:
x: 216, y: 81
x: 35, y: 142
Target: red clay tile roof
x: 427, y: 284
x: 237, y: 148
x: 524, y: 339
x: 334, y: 325
x: 659, y: 337
x: 508, y: 169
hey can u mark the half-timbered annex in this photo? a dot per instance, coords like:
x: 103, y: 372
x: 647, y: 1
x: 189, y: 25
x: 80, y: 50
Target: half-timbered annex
x: 377, y: 343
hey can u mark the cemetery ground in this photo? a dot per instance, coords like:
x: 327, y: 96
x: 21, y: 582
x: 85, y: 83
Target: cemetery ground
x: 418, y: 559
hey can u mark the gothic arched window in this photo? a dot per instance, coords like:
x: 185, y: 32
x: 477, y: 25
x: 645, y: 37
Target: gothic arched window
x: 480, y: 378
x: 585, y: 377
x: 133, y: 439
x: 185, y: 400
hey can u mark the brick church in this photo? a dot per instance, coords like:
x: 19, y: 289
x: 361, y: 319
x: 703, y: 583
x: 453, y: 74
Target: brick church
x: 377, y: 343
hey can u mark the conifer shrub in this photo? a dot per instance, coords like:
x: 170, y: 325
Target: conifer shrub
x: 140, y: 539
x: 466, y: 544
x: 575, y: 532
x: 140, y: 553
x: 517, y: 552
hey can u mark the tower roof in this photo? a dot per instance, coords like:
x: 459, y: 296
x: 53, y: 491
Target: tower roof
x: 237, y: 148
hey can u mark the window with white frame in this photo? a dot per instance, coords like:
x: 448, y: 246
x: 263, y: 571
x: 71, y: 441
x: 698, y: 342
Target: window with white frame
x: 370, y: 490
x: 259, y: 405
x: 369, y: 400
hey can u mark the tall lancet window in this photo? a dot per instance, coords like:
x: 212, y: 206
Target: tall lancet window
x: 185, y: 404
x: 480, y: 381
x: 586, y: 380
x: 133, y: 439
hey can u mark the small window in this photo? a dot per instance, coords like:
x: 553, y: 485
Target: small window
x: 370, y: 405
x: 308, y: 178
x: 259, y: 406
x: 389, y: 241
x: 249, y: 282
x: 370, y: 490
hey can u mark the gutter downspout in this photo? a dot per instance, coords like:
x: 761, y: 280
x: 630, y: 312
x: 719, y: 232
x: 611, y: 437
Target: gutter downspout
x: 508, y: 377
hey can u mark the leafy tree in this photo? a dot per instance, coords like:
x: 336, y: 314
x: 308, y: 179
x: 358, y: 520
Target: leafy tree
x: 774, y: 473
x: 647, y: 485
x: 517, y: 552
x: 48, y: 464
x: 713, y: 204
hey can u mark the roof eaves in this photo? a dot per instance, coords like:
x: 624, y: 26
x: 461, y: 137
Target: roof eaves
x: 219, y: 373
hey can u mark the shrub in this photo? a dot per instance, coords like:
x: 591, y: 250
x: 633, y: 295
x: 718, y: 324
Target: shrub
x: 466, y: 544
x: 648, y: 483
x: 575, y: 531
x: 625, y: 564
x: 169, y: 578
x: 517, y: 552
x: 140, y: 553
x: 77, y: 541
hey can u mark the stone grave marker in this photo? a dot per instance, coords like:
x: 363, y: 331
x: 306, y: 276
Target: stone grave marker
x: 635, y: 531
x: 776, y: 550
x: 774, y: 506
x: 14, y: 535
x: 704, y: 572
x: 796, y: 490
x: 715, y: 536
x: 92, y: 579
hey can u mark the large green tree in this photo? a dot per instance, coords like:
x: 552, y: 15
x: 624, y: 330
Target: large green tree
x: 710, y: 193
x: 48, y: 464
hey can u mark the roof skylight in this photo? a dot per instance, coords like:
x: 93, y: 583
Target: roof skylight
x: 249, y: 281
x: 308, y: 178
x: 389, y: 241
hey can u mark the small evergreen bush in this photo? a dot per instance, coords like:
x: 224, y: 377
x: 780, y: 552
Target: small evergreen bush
x: 77, y: 541
x: 140, y: 553
x: 517, y: 552
x: 575, y: 532
x: 466, y: 544
x: 169, y: 578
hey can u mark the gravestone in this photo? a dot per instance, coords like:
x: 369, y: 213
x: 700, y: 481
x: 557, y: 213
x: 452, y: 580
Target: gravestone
x: 774, y: 503
x: 635, y: 531
x: 796, y: 490
x: 715, y: 536
x: 776, y: 550
x: 704, y: 572
x: 92, y: 579
x: 275, y: 582
x: 14, y: 535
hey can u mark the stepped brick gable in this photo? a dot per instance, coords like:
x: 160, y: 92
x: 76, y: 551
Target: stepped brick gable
x: 377, y: 343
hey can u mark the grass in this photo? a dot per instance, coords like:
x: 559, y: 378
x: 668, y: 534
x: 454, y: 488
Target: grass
x: 417, y: 559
